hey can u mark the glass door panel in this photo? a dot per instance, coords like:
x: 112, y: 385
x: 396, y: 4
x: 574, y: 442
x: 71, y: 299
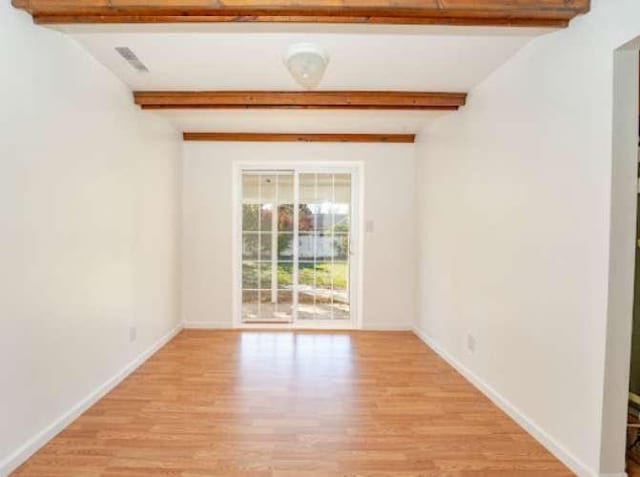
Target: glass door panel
x: 323, y: 224
x: 267, y: 235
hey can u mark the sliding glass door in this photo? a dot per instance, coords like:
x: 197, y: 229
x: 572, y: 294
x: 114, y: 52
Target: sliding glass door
x: 297, y: 250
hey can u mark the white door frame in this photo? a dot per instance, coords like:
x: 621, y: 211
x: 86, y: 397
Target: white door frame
x: 356, y: 169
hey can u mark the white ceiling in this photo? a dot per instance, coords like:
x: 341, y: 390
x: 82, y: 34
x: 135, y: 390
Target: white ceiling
x: 298, y: 121
x: 238, y: 57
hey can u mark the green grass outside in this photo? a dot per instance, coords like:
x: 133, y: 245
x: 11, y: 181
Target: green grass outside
x: 324, y: 272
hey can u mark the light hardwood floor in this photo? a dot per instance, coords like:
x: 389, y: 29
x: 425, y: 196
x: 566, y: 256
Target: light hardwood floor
x: 294, y: 404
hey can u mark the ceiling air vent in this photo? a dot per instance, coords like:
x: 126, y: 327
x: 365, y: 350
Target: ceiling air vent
x: 132, y: 59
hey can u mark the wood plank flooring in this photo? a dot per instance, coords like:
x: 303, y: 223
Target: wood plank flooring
x: 293, y: 404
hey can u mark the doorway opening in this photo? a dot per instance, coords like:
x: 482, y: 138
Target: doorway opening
x: 615, y: 432
x: 297, y: 243
x: 633, y: 425
x: 623, y: 217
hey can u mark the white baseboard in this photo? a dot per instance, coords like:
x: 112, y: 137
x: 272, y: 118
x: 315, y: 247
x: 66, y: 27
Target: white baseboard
x: 207, y: 325
x: 386, y: 327
x: 30, y: 447
x: 512, y: 411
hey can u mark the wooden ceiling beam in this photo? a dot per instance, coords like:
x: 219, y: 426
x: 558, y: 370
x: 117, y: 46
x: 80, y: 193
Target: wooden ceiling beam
x: 403, y: 100
x: 536, y: 13
x: 293, y: 137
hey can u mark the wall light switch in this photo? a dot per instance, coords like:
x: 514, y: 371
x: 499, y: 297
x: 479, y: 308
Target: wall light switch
x: 369, y: 226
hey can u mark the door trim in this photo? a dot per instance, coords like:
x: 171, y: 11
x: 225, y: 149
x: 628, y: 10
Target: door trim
x: 356, y: 168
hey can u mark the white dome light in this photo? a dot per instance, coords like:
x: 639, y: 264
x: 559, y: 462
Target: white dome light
x: 306, y: 63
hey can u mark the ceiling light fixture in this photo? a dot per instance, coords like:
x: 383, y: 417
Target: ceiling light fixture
x: 306, y: 63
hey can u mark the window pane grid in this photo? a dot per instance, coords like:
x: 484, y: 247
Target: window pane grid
x: 262, y: 273
x: 295, y: 252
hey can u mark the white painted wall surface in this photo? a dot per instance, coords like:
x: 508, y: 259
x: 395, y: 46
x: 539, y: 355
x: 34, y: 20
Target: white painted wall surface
x: 89, y: 202
x: 389, y: 258
x: 514, y: 197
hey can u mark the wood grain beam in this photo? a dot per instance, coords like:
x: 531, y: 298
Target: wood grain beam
x: 291, y: 137
x: 540, y: 13
x: 405, y: 100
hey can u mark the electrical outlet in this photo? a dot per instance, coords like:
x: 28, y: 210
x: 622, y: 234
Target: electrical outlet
x: 133, y: 333
x: 471, y: 343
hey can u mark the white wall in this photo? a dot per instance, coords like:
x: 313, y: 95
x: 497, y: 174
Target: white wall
x: 89, y: 202
x: 389, y: 259
x: 514, y: 241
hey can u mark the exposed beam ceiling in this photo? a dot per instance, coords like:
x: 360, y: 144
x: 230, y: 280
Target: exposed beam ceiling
x: 543, y: 13
x: 283, y: 137
x: 403, y: 100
